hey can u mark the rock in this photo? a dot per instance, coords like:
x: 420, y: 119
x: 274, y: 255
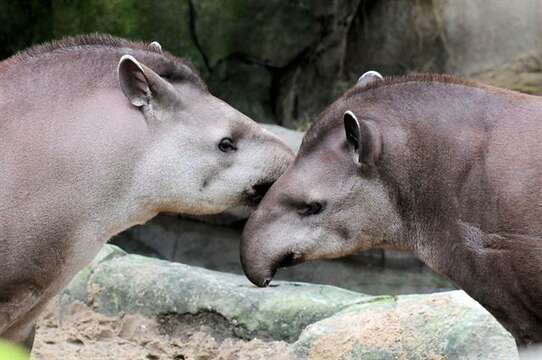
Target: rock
x: 521, y: 74
x: 77, y: 288
x: 437, y: 326
x: 284, y: 61
x: 246, y: 42
x: 258, y: 28
x: 247, y: 50
x: 245, y: 84
x: 478, y: 40
x: 481, y: 36
x: 395, y: 37
x: 320, y: 322
x: 136, y: 284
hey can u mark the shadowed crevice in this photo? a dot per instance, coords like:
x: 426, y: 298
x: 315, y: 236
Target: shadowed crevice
x: 194, y: 35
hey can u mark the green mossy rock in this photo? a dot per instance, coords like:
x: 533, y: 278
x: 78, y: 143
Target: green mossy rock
x: 77, y: 289
x: 136, y: 284
x: 320, y: 322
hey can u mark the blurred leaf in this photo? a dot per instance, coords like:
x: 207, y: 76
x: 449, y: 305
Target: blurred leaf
x: 9, y: 351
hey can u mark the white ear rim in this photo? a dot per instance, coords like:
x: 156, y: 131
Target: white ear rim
x: 129, y: 58
x: 155, y: 45
x: 136, y: 101
x: 349, y: 112
x: 370, y: 73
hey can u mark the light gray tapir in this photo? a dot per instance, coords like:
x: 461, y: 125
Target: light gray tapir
x: 447, y: 169
x: 98, y: 134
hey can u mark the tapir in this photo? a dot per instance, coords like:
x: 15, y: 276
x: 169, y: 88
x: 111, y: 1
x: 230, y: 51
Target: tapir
x: 447, y: 169
x: 100, y: 133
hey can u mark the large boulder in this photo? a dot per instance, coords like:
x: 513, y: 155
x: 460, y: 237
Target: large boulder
x: 447, y: 325
x: 137, y: 284
x: 318, y: 321
x: 253, y: 54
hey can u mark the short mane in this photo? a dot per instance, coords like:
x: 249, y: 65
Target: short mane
x: 417, y: 77
x: 321, y: 124
x: 80, y: 41
x: 171, y: 66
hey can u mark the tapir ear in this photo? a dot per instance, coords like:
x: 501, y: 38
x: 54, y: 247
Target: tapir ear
x: 155, y: 46
x: 364, y: 137
x: 140, y: 84
x: 369, y: 77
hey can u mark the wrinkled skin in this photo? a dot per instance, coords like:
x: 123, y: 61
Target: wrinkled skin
x: 432, y: 165
x: 97, y: 135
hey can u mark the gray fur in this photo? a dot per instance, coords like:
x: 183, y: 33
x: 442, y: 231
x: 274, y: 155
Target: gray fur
x: 84, y: 155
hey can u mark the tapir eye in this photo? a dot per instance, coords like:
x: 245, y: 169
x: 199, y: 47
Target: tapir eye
x: 226, y: 145
x: 311, y: 208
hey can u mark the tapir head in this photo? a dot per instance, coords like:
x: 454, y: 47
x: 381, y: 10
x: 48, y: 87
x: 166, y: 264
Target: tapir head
x: 204, y: 156
x: 331, y: 202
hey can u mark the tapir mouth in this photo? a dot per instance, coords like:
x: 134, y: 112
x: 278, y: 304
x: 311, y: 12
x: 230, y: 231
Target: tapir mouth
x: 290, y: 259
x: 261, y: 274
x: 256, y: 192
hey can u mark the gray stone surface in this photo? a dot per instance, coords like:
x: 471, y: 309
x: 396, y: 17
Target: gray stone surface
x: 137, y: 284
x: 320, y: 322
x: 497, y: 41
x: 436, y: 326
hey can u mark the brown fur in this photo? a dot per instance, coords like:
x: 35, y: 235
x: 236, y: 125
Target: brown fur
x: 461, y: 169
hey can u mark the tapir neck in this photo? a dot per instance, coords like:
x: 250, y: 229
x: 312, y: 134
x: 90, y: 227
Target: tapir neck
x: 467, y: 200
x: 441, y: 185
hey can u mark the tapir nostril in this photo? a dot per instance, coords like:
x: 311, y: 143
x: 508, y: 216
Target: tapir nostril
x: 291, y: 259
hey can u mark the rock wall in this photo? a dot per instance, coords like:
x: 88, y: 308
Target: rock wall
x: 284, y: 61
x: 495, y: 41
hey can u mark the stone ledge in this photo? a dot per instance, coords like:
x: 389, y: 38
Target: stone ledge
x: 318, y: 320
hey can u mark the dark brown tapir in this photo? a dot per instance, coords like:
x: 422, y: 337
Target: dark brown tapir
x: 447, y: 169
x: 98, y: 134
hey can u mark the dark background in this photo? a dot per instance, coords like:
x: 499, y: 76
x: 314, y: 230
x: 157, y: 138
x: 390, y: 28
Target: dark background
x: 283, y: 61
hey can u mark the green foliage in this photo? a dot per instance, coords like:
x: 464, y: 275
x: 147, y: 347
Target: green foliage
x: 27, y: 22
x: 10, y: 351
